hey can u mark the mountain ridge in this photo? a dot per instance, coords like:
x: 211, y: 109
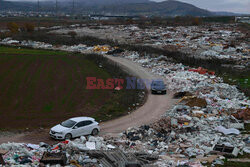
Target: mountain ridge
x: 111, y: 7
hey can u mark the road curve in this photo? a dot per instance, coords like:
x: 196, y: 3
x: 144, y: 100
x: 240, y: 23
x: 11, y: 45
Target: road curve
x: 154, y: 107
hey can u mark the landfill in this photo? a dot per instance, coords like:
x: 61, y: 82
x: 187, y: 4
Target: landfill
x: 212, y: 41
x: 91, y: 151
x: 204, y: 127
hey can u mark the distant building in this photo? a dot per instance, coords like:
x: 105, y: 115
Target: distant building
x: 243, y: 19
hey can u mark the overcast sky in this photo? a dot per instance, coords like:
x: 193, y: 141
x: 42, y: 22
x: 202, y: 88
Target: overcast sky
x: 238, y: 6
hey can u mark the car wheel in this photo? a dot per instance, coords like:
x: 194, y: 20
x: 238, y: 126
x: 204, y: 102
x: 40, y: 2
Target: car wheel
x: 95, y: 132
x: 68, y: 136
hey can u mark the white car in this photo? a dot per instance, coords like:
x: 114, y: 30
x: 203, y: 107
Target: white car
x: 75, y: 127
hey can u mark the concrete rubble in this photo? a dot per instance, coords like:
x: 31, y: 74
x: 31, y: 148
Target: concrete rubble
x: 204, y: 127
x: 91, y: 151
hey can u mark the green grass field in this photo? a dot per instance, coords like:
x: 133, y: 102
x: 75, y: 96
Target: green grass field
x: 39, y: 88
x: 11, y: 50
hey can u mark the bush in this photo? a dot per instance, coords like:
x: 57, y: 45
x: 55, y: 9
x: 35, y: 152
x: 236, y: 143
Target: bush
x: 4, y: 35
x: 13, y: 27
x: 196, y: 21
x: 29, y: 27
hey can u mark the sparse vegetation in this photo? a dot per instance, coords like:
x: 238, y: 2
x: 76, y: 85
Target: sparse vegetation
x: 29, y: 27
x: 196, y: 21
x: 13, y: 27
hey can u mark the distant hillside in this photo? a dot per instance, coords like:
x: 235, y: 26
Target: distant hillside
x: 228, y: 14
x: 108, y: 2
x: 120, y: 7
x: 166, y: 8
x: 16, y: 6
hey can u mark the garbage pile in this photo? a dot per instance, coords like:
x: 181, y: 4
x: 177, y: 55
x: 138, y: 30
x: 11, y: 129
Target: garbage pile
x: 219, y: 41
x: 75, y: 48
x: 218, y: 95
x: 208, y: 120
x: 199, y: 82
x: 186, y: 133
x: 91, y: 151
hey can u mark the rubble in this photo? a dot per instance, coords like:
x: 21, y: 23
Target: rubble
x: 53, y: 158
x: 212, y: 41
x: 226, y: 150
x: 93, y: 151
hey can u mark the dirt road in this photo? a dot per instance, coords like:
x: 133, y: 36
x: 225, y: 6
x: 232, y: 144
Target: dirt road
x: 154, y: 107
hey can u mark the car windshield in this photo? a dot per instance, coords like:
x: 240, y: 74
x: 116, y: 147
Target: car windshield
x: 68, y: 124
x: 158, y: 83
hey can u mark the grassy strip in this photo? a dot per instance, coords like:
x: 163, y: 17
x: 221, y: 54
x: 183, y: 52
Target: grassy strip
x: 25, y: 51
x: 234, y: 164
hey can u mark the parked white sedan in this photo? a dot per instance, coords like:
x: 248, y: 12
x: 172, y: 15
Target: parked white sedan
x: 75, y: 127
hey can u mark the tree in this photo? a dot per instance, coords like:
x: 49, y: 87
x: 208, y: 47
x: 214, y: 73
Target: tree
x: 13, y: 27
x: 196, y: 21
x: 29, y: 27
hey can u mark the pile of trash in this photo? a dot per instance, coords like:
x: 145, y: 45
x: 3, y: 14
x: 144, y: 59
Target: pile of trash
x: 189, y: 133
x: 219, y: 41
x: 91, y: 151
x: 75, y: 48
x: 198, y: 82
x: 206, y: 124
x: 218, y: 95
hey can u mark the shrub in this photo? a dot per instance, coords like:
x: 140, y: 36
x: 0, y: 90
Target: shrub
x: 13, y: 27
x: 29, y: 27
x: 4, y: 35
x: 196, y: 21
